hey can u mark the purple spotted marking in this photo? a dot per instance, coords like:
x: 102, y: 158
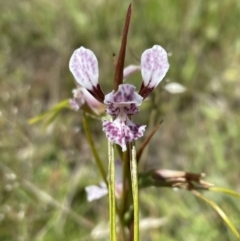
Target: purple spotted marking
x: 121, y: 132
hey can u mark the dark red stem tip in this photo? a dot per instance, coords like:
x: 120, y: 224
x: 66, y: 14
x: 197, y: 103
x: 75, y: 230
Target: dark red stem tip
x: 118, y: 78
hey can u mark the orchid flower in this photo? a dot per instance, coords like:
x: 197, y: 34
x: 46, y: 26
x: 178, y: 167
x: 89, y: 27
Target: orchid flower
x: 82, y: 99
x: 95, y: 192
x: 124, y: 102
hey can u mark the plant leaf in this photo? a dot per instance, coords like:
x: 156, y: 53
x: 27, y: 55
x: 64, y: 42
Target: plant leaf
x: 225, y: 191
x: 219, y: 211
x: 58, y: 107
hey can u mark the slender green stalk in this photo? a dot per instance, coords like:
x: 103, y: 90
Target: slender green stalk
x: 94, y: 151
x: 99, y: 164
x: 226, y: 191
x: 134, y: 175
x: 111, y: 192
x: 220, y: 212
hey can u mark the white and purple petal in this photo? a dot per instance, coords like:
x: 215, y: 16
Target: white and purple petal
x: 123, y: 96
x: 92, y: 102
x: 154, y: 66
x: 122, y: 131
x: 96, y: 191
x: 84, y: 66
x: 129, y: 109
x: 82, y: 99
x: 113, y: 110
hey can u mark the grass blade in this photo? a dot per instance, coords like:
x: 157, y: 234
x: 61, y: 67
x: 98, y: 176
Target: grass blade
x: 225, y: 191
x: 219, y: 211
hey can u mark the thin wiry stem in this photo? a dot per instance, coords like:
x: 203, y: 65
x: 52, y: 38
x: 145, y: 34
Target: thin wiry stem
x: 111, y: 192
x: 99, y: 164
x: 94, y: 151
x: 134, y: 176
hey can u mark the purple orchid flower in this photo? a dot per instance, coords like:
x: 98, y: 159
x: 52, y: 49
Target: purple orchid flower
x: 124, y: 102
x: 83, y: 99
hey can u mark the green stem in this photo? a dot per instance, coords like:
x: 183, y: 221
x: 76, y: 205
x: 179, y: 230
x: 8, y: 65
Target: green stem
x: 111, y: 192
x: 99, y: 162
x: 134, y: 175
x: 94, y: 151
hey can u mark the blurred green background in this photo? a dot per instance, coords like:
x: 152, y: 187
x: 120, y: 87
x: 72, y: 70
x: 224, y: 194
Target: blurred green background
x: 40, y: 171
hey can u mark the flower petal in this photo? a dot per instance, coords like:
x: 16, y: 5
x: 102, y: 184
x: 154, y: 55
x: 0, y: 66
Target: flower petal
x: 129, y: 70
x: 132, y: 109
x: 84, y: 67
x: 93, y: 103
x: 154, y: 66
x: 121, y: 132
x: 114, y: 111
x: 96, y: 191
x: 124, y: 95
x: 84, y: 100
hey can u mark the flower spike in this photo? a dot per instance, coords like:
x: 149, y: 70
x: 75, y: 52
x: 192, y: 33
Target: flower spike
x: 84, y: 67
x: 154, y: 66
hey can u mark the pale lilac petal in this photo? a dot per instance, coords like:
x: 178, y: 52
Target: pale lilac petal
x: 92, y: 102
x: 96, y: 191
x: 129, y: 70
x: 82, y: 99
x: 124, y: 95
x: 122, y: 131
x: 154, y: 63
x: 126, y: 98
x: 154, y: 66
x: 84, y: 67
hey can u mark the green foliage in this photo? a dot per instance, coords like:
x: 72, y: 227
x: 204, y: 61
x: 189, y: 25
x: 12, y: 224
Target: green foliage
x: 40, y: 171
